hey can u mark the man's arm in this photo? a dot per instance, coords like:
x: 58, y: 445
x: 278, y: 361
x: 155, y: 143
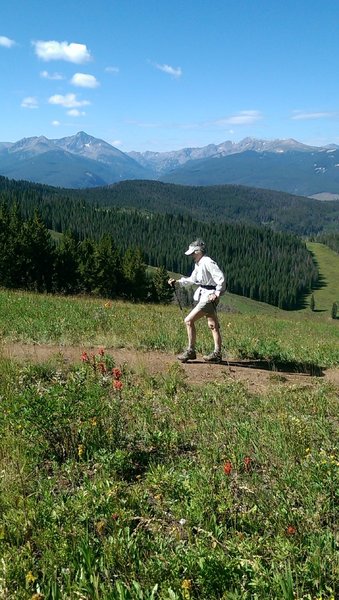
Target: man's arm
x: 218, y: 278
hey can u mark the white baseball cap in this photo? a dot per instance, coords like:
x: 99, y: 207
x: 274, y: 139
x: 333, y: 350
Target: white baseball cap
x: 196, y: 246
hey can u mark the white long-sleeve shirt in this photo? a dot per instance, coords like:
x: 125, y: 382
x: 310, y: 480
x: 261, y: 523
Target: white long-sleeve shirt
x: 205, y: 272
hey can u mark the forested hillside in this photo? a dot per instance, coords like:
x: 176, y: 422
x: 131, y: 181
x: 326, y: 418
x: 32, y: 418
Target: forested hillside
x: 330, y: 239
x: 278, y: 210
x: 265, y: 265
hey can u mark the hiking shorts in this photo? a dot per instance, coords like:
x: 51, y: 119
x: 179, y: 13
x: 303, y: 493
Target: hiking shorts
x: 209, y: 308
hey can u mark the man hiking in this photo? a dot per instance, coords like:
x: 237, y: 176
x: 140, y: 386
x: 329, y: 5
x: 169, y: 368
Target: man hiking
x: 211, y: 284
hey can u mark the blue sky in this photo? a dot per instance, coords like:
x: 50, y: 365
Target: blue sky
x: 163, y: 75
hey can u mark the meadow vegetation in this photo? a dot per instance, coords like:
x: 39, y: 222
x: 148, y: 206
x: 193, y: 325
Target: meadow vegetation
x: 118, y: 485
x: 327, y: 291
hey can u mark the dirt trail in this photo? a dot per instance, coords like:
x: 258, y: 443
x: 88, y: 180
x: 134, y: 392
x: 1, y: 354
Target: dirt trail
x: 256, y: 375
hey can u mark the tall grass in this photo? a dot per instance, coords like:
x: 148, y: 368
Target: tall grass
x: 44, y: 319
x: 152, y: 489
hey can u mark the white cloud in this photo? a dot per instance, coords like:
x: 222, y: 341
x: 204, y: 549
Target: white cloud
x: 244, y: 117
x: 55, y: 123
x: 52, y: 50
x: 299, y: 115
x: 114, y: 70
x: 53, y: 76
x: 116, y: 143
x: 6, y: 42
x: 30, y: 102
x: 84, y: 80
x: 74, y: 112
x: 173, y: 71
x: 68, y: 101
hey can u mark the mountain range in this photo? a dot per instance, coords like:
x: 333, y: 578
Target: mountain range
x: 83, y: 161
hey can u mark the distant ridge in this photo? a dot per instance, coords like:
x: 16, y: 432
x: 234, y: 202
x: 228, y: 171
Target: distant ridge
x: 83, y: 161
x: 163, y: 162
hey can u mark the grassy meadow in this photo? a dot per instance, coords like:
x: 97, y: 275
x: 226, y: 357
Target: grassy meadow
x: 117, y: 485
x: 328, y: 263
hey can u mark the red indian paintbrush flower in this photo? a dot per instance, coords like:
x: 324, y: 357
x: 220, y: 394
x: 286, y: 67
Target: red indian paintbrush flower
x: 116, y: 373
x: 117, y: 384
x: 228, y: 467
x: 101, y: 352
x: 85, y: 357
x: 291, y: 530
x: 247, y: 462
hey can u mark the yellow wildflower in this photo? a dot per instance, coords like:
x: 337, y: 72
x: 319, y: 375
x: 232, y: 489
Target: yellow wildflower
x: 80, y: 450
x: 187, y: 584
x: 100, y: 526
x: 30, y: 578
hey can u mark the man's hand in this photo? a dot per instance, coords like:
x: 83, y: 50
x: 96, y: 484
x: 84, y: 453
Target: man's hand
x: 212, y: 297
x: 172, y: 282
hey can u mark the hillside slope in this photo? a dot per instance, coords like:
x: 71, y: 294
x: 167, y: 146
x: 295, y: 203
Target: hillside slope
x: 302, y: 173
x: 278, y: 210
x: 328, y: 291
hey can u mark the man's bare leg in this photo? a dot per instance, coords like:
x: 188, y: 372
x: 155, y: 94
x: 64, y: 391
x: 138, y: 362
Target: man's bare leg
x: 190, y: 320
x: 214, y: 326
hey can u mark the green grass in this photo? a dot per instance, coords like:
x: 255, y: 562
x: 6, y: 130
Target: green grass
x: 235, y: 303
x: 328, y: 262
x: 161, y: 491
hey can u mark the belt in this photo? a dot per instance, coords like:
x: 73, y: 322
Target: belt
x: 208, y: 287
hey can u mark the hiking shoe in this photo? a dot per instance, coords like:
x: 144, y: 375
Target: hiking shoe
x: 188, y: 354
x: 214, y: 357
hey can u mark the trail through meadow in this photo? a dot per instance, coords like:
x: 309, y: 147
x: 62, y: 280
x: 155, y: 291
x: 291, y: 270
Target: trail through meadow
x: 256, y: 375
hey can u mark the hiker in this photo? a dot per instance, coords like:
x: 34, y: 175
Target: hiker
x: 211, y: 284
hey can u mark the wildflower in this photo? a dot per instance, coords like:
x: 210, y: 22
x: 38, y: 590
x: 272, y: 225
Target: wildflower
x: 80, y: 450
x: 30, y: 578
x: 116, y: 373
x: 247, y: 462
x: 187, y: 584
x: 115, y: 516
x: 101, y: 352
x: 37, y: 596
x: 291, y: 530
x: 100, y: 526
x: 94, y: 422
x: 85, y: 357
x: 102, y: 367
x: 117, y: 384
x: 228, y: 467
x: 108, y: 304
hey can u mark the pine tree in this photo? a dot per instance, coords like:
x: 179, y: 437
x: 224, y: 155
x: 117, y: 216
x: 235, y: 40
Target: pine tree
x: 108, y: 268
x: 163, y: 291
x: 66, y: 265
x: 87, y: 265
x: 38, y: 255
x: 312, y: 303
x: 134, y: 274
x: 334, y: 310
